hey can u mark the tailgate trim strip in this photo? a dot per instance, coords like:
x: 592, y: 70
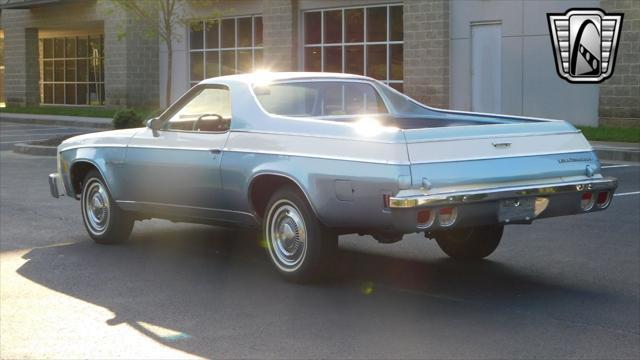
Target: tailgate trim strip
x: 590, y: 150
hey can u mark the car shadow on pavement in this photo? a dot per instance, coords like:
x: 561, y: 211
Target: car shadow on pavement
x: 217, y: 292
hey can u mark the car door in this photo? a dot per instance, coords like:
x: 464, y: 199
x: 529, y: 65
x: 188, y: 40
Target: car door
x: 176, y: 169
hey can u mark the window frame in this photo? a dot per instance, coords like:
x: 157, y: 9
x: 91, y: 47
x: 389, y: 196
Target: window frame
x: 343, y: 44
x: 184, y: 100
x: 236, y: 49
x: 99, y: 82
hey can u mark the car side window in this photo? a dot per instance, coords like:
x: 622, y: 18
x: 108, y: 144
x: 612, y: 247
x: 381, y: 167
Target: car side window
x: 352, y: 99
x: 209, y: 110
x: 320, y: 98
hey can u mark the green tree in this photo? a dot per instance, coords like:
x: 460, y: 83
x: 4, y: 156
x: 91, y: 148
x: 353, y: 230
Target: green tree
x: 161, y: 17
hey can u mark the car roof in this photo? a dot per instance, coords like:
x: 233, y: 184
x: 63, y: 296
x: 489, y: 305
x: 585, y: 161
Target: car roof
x: 266, y: 77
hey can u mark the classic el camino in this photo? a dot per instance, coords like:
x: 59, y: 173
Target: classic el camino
x: 310, y: 156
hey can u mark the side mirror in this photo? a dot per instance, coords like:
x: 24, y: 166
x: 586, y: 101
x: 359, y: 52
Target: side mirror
x: 154, y: 124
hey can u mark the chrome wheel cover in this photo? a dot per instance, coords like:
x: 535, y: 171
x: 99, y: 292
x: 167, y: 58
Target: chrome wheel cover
x: 286, y: 235
x: 96, y: 208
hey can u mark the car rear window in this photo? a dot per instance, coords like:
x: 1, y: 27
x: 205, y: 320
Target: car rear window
x: 320, y: 98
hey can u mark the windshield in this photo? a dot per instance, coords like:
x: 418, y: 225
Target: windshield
x: 320, y: 98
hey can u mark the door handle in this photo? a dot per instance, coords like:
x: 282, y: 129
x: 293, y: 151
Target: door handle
x: 215, y: 151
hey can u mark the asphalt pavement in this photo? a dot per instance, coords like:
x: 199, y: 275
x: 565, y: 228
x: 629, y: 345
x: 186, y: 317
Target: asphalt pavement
x: 13, y: 133
x: 561, y: 288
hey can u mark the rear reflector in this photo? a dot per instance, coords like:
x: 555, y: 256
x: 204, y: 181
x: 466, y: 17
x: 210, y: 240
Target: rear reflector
x: 587, y: 201
x: 425, y: 218
x: 447, y: 216
x: 603, y: 199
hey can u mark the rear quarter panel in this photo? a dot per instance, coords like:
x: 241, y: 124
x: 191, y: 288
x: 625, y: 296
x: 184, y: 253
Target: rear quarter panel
x: 326, y: 169
x: 316, y: 154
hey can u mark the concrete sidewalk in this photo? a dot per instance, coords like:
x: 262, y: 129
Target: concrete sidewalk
x: 58, y: 120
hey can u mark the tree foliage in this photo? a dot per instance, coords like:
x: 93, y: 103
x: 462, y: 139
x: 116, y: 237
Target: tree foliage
x: 161, y: 18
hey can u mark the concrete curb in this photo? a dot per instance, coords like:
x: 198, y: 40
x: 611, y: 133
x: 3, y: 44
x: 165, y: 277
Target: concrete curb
x: 40, y: 147
x: 37, y: 150
x: 616, y: 154
x: 60, y: 120
x: 616, y: 151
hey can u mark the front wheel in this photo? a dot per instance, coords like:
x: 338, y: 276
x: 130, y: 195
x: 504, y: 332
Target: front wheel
x: 471, y: 242
x: 105, y: 222
x: 299, y: 245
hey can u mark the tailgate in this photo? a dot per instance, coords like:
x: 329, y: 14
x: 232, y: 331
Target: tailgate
x: 493, y: 154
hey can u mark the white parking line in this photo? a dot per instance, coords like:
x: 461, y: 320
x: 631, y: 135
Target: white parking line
x: 617, y: 166
x: 40, y: 134
x: 32, y: 138
x: 13, y: 131
x: 19, y: 141
x: 3, y: 124
x: 628, y: 193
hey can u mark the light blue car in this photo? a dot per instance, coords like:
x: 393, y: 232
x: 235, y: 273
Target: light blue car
x: 310, y: 156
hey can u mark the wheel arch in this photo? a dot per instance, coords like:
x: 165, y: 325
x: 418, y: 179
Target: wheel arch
x: 264, y: 184
x: 78, y: 171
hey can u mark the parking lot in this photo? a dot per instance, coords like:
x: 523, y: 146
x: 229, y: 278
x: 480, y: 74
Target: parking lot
x: 13, y: 133
x: 561, y: 288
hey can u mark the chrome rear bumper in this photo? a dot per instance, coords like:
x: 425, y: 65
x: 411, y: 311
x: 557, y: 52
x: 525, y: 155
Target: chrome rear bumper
x: 497, y: 193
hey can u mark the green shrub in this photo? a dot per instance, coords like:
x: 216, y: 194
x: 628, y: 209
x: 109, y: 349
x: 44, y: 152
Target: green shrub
x: 128, y: 118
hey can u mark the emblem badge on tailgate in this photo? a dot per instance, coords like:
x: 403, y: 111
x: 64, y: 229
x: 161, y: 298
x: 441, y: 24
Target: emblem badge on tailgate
x: 503, y: 145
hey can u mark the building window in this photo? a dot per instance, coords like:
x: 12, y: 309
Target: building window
x: 359, y: 40
x: 72, y: 70
x: 224, y: 47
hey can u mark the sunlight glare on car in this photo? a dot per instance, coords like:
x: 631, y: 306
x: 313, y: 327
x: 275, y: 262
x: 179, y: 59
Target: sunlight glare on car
x: 368, y: 126
x: 261, y: 77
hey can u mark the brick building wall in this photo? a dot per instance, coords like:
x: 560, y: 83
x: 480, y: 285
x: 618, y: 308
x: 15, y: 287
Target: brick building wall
x: 620, y: 94
x: 280, y: 41
x: 426, y: 51
x: 21, y: 71
x: 131, y: 62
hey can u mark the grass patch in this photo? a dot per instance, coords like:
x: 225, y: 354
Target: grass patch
x: 611, y: 134
x: 87, y: 111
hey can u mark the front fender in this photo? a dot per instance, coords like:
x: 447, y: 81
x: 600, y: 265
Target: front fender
x: 107, y: 160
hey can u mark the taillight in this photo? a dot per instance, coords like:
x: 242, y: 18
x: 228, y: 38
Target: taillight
x: 447, y: 216
x: 587, y: 201
x: 603, y: 199
x: 425, y: 218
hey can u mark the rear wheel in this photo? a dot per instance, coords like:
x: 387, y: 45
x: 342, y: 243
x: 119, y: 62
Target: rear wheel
x: 471, y: 242
x: 105, y: 222
x: 299, y: 245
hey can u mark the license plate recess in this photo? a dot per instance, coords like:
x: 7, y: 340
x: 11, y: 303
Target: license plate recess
x: 514, y: 210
